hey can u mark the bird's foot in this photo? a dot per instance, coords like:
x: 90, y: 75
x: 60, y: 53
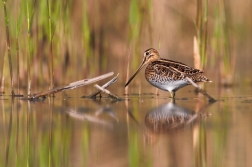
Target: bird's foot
x: 172, y: 97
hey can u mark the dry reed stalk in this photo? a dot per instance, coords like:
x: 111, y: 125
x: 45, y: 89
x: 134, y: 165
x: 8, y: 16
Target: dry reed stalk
x: 1, y: 61
x: 139, y: 89
x: 126, y: 90
x: 196, y: 54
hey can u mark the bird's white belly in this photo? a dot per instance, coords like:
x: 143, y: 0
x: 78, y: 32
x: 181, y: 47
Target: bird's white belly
x: 170, y: 86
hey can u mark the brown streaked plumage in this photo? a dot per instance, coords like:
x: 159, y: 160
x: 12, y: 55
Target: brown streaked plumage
x: 166, y: 74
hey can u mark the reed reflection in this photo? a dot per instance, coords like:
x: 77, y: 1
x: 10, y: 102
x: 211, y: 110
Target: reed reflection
x: 9, y: 134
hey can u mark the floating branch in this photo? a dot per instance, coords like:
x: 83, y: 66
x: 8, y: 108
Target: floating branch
x: 72, y: 85
x: 200, y: 90
x: 113, y: 80
x: 107, y: 92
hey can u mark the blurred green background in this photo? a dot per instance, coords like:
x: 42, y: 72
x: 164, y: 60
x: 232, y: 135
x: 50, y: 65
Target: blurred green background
x: 89, y: 38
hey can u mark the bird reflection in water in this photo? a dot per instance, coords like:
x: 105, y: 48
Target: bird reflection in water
x: 168, y: 118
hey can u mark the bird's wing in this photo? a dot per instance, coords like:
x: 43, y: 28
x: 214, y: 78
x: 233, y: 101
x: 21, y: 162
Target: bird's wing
x: 174, y: 70
x: 167, y: 72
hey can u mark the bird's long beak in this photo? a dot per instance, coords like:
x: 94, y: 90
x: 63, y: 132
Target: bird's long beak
x: 139, y: 68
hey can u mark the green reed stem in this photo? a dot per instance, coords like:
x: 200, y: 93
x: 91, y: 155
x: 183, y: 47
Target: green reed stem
x: 51, y: 45
x: 8, y: 44
x: 86, y: 31
x: 199, y: 15
x: 221, y: 44
x: 28, y: 48
x: 135, y: 20
x: 29, y: 15
x: 202, y: 30
x: 18, y: 71
x: 227, y: 57
x: 17, y: 42
x: 205, y: 34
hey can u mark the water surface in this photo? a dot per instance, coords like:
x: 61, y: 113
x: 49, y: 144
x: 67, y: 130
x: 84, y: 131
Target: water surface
x: 142, y: 130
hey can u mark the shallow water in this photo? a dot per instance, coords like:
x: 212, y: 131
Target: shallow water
x: 142, y: 130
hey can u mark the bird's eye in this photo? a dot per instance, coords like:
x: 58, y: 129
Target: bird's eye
x: 147, y: 53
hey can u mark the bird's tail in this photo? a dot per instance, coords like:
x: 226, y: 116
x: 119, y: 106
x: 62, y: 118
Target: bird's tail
x: 201, y: 78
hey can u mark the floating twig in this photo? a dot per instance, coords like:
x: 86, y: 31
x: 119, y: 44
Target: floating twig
x: 200, y: 90
x: 113, y: 80
x: 107, y: 92
x: 72, y: 85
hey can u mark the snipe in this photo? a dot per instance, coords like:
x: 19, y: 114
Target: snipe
x: 166, y: 74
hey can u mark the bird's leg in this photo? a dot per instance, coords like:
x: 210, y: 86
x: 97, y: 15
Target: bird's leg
x: 172, y: 94
x: 173, y: 100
